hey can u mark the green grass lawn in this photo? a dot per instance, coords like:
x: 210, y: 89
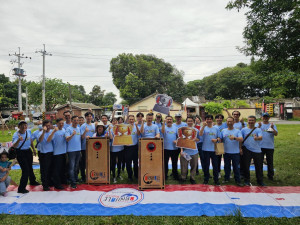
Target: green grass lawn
x: 286, y: 163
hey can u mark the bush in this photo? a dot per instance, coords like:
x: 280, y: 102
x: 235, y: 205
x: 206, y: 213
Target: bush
x: 213, y: 107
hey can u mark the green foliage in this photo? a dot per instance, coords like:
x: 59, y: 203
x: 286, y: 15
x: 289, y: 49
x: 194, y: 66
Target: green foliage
x: 213, y: 107
x: 272, y: 31
x: 227, y: 104
x: 8, y: 92
x: 240, y: 104
x: 137, y: 76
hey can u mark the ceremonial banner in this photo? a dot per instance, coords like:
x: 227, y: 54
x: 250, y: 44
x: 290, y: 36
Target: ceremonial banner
x: 97, y: 160
x: 122, y: 134
x: 174, y: 200
x: 163, y: 103
x: 151, y: 163
x: 185, y: 138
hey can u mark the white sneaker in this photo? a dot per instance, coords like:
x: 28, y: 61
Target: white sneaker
x: 115, y: 181
x: 219, y: 175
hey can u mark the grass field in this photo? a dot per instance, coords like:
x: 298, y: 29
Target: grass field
x: 286, y: 163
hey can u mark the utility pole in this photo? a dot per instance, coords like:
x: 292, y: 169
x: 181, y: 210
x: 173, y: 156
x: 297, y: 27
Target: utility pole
x: 19, y: 73
x: 44, y: 53
x: 70, y: 98
x: 27, y: 115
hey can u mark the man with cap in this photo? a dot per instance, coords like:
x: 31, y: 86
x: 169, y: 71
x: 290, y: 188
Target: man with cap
x: 269, y: 130
x: 22, y: 141
x: 179, y: 123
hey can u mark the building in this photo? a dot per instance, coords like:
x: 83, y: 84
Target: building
x: 146, y: 104
x: 78, y: 109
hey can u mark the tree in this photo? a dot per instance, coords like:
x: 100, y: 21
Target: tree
x: 272, y: 31
x: 57, y: 92
x: 96, y: 95
x: 109, y: 98
x: 8, y: 92
x: 137, y: 76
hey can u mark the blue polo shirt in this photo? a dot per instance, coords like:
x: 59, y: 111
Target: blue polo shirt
x: 59, y: 142
x: 250, y: 143
x: 28, y: 140
x: 170, y: 136
x: 150, y: 131
x: 67, y: 125
x: 90, y: 133
x: 268, y: 138
x: 221, y: 127
x: 44, y: 145
x: 182, y: 124
x: 239, y: 125
x: 208, y: 135
x: 231, y: 146
x: 134, y: 135
x: 74, y: 144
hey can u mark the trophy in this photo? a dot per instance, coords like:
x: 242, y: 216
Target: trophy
x: 163, y: 104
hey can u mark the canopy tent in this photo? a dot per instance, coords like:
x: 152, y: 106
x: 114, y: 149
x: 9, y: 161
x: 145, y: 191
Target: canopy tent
x: 188, y: 103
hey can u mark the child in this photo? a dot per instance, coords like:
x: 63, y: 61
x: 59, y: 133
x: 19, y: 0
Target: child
x: 5, y: 167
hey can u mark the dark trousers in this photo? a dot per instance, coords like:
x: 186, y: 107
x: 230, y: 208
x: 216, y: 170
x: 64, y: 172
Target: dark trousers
x: 122, y: 159
x: 235, y: 159
x: 213, y: 157
x: 269, y: 155
x: 59, y: 164
x: 219, y: 158
x: 115, y: 159
x: 258, y: 162
x: 25, y: 160
x: 82, y: 163
x: 200, y: 151
x: 174, y: 158
x: 46, y: 168
x: 131, y: 155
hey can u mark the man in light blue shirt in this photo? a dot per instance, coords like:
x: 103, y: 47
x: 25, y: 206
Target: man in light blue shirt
x: 131, y: 151
x: 150, y: 130
x: 46, y: 155
x: 73, y: 138
x: 169, y: 133
x: 211, y: 135
x: 59, y: 153
x: 86, y: 130
x: 269, y: 130
x: 232, y: 138
x: 252, y: 150
x: 68, y: 122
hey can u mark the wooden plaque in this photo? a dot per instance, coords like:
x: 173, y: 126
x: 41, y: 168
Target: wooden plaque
x: 151, y: 163
x: 97, y: 160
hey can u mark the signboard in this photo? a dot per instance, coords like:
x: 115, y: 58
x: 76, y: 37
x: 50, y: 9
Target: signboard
x: 97, y: 160
x: 185, y: 138
x: 151, y: 166
x: 122, y: 134
x: 163, y: 103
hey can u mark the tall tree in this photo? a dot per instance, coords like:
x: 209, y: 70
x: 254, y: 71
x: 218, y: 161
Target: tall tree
x: 96, y: 95
x: 272, y: 31
x: 109, y: 98
x: 137, y: 76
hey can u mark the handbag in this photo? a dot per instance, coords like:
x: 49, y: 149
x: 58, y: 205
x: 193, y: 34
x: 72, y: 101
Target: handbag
x: 219, y: 148
x: 12, y: 151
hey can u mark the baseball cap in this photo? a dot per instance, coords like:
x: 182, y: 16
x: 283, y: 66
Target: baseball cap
x: 178, y: 115
x: 265, y: 114
x: 22, y: 122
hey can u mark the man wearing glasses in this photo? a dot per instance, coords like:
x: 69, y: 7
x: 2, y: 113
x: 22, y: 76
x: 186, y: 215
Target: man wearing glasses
x: 67, y: 115
x: 238, y: 123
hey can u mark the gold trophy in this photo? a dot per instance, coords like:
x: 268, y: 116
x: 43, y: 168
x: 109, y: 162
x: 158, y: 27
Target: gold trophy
x: 185, y: 138
x: 122, y: 134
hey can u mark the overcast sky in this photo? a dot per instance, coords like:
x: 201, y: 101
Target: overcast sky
x: 198, y: 37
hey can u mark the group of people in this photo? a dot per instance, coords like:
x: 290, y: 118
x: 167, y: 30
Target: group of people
x: 61, y: 148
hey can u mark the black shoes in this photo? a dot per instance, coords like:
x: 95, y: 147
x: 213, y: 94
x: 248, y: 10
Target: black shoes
x: 217, y: 183
x: 23, y: 191
x: 192, y: 181
x: 35, y: 183
x: 205, y: 182
x: 46, y: 188
x: 73, y: 186
x: 59, y: 187
x: 262, y: 184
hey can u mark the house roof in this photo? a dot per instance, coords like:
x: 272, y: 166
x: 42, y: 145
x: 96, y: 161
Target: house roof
x: 80, y: 105
x: 152, y: 95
